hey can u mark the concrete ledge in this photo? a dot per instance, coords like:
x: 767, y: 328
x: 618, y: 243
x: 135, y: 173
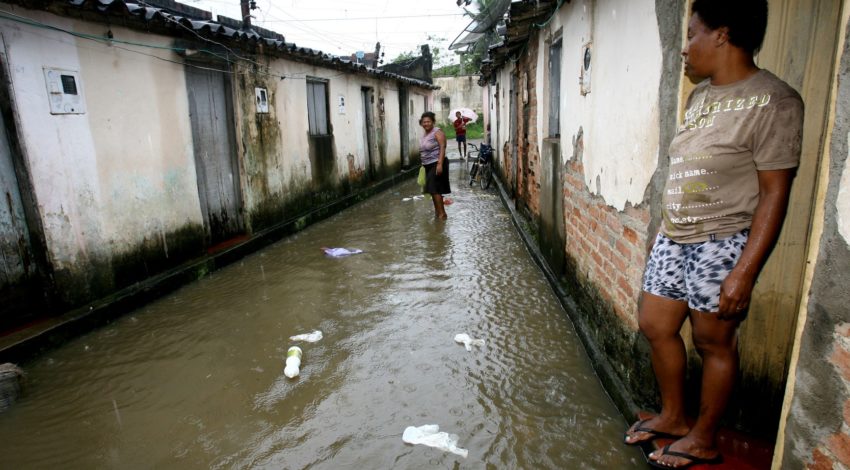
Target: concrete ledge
x: 612, y: 384
x: 39, y: 336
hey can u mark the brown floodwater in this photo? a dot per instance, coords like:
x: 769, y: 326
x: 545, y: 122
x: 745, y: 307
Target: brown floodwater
x: 195, y: 379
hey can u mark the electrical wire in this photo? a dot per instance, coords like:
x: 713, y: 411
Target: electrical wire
x: 111, y: 42
x: 363, y: 18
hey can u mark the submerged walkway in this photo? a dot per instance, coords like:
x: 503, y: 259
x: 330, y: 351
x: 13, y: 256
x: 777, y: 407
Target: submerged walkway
x: 195, y: 379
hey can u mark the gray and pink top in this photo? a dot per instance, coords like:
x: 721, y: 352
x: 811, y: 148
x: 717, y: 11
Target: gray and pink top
x: 429, y: 148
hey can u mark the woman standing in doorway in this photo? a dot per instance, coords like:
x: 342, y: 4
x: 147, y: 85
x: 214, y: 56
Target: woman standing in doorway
x: 432, y: 152
x: 731, y: 166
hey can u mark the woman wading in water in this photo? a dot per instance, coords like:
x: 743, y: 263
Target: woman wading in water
x: 432, y: 152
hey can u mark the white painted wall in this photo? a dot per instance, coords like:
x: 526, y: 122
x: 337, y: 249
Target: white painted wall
x: 419, y: 102
x: 620, y: 114
x: 504, y: 123
x: 843, y: 202
x: 120, y: 173
x: 124, y: 172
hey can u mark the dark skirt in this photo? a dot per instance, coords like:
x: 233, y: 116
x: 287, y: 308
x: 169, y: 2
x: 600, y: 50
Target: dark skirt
x: 435, y: 184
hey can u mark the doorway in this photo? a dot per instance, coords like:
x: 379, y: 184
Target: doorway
x: 368, y: 98
x: 210, y: 110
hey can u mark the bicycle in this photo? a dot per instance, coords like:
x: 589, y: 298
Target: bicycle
x: 480, y: 166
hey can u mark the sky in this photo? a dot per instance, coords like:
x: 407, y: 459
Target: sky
x: 342, y: 27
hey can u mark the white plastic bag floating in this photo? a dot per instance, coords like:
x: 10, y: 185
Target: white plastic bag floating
x: 468, y: 342
x: 430, y: 435
x: 339, y: 252
x: 308, y: 337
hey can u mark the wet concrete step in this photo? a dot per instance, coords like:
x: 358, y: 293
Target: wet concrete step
x: 740, y: 451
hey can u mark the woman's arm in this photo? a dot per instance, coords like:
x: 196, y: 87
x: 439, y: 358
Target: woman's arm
x: 774, y: 190
x: 441, y: 139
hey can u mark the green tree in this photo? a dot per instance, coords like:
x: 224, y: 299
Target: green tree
x: 403, y: 57
x: 438, y: 58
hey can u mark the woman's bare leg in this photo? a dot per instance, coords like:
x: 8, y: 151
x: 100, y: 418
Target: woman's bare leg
x: 439, y: 207
x: 660, y: 320
x: 717, y: 342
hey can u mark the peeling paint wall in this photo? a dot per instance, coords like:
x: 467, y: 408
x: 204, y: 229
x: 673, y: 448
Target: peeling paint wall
x: 620, y: 114
x: 107, y: 182
x: 116, y: 188
x: 843, y: 202
x: 500, y: 126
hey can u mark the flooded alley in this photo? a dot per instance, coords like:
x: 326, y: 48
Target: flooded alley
x: 195, y: 379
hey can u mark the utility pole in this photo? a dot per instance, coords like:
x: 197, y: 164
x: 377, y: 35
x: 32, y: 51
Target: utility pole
x: 247, y: 6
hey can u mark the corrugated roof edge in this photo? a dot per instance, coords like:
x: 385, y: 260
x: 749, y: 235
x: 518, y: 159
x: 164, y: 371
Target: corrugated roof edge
x: 161, y: 16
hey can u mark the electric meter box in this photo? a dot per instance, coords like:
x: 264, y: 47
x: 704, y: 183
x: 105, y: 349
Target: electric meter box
x: 64, y: 91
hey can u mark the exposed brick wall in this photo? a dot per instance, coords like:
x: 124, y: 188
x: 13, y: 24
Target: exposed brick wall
x: 528, y: 153
x: 608, y: 247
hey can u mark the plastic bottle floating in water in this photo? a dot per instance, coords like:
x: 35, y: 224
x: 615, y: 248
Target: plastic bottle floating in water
x: 293, y: 362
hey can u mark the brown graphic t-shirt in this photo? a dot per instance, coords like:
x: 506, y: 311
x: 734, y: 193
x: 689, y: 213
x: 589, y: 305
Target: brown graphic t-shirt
x: 729, y: 133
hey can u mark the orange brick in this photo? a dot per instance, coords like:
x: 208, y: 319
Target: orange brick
x: 847, y: 411
x: 623, y: 249
x: 600, y: 263
x: 630, y: 235
x: 839, y: 445
x: 619, y: 263
x: 626, y: 286
x: 841, y: 359
x: 820, y: 461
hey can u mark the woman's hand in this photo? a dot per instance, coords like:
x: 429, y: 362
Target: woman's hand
x: 735, y: 292
x: 439, y: 167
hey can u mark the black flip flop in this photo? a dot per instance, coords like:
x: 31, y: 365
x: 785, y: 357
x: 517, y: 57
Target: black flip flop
x: 694, y: 460
x: 653, y: 434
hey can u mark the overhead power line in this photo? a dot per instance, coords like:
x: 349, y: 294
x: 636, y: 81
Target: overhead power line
x: 362, y: 18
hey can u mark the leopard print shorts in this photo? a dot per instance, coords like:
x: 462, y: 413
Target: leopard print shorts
x: 692, y: 272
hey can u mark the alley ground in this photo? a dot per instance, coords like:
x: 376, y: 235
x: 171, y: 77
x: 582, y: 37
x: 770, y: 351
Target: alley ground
x: 195, y: 379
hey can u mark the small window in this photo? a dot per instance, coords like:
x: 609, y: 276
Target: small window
x: 446, y: 102
x: 69, y: 85
x: 317, y: 107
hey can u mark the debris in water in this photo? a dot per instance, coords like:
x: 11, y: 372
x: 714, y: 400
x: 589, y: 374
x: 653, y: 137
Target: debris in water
x: 293, y: 362
x: 117, y: 414
x: 339, y: 252
x: 11, y: 380
x: 468, y: 342
x: 308, y: 337
x: 430, y: 435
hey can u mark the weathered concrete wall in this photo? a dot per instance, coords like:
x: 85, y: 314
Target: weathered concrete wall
x: 619, y: 117
x: 115, y: 189
x: 111, y: 188
x: 462, y: 92
x: 278, y: 172
x: 501, y: 124
x: 817, y: 433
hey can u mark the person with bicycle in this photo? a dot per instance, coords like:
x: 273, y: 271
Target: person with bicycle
x: 432, y: 153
